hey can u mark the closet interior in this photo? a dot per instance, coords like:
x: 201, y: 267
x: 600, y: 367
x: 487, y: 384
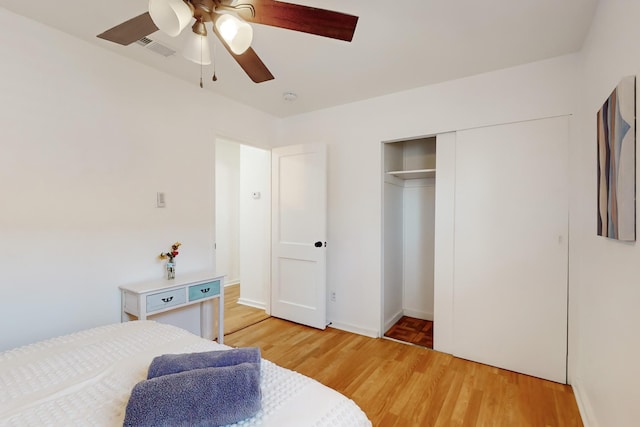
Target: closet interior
x: 409, y: 171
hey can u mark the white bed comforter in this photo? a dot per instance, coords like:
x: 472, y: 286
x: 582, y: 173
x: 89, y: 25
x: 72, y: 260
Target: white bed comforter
x: 85, y: 379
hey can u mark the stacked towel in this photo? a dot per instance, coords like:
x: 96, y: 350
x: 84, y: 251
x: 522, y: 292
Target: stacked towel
x: 174, y: 363
x: 203, y: 396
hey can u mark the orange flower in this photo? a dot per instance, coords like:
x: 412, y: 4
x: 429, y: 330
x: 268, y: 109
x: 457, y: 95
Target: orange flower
x: 172, y: 254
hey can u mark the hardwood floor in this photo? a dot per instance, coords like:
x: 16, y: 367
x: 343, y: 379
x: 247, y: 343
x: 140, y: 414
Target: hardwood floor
x: 405, y: 386
x: 238, y: 316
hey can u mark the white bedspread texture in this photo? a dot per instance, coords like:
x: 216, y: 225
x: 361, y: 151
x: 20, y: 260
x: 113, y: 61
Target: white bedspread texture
x: 85, y: 379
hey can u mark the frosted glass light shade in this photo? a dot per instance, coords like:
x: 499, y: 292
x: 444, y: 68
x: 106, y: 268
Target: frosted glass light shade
x: 196, y: 49
x: 170, y: 16
x: 238, y: 34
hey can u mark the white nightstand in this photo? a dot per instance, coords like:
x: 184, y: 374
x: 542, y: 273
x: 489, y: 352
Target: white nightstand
x: 156, y: 296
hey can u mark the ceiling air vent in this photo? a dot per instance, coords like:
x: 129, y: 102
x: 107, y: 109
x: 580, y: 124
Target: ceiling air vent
x: 156, y: 47
x: 144, y: 41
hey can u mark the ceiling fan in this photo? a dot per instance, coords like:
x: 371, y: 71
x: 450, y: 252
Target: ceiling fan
x: 230, y: 20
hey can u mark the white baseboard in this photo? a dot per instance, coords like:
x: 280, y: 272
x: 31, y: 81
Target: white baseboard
x: 354, y: 329
x: 584, y: 406
x: 232, y: 283
x: 424, y: 315
x: 251, y: 303
x: 389, y: 323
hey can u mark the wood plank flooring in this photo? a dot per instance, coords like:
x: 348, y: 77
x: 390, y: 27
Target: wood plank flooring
x: 238, y: 316
x: 405, y: 386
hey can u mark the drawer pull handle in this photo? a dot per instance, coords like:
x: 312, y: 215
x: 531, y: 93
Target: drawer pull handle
x: 167, y: 299
x: 205, y: 290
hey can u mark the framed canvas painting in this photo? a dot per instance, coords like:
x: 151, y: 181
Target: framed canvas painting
x: 617, y: 163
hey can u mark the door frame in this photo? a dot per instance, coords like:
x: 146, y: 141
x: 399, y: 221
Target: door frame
x: 383, y: 179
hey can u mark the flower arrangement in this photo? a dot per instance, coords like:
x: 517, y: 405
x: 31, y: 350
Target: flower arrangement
x: 171, y: 265
x: 172, y: 254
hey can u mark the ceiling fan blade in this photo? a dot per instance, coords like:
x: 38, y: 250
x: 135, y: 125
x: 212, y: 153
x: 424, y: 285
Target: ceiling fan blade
x: 130, y: 31
x: 297, y: 17
x: 253, y: 66
x: 249, y: 61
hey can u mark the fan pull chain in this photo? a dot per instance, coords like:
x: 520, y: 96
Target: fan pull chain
x: 201, y: 85
x: 214, y: 78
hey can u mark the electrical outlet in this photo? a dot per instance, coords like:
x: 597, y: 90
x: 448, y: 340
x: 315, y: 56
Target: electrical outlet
x: 333, y: 296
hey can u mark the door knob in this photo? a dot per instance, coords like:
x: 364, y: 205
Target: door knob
x: 318, y: 244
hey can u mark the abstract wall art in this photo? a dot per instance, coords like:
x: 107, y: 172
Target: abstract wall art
x: 617, y: 163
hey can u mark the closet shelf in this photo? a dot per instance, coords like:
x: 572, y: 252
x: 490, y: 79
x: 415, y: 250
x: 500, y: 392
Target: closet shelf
x: 414, y: 174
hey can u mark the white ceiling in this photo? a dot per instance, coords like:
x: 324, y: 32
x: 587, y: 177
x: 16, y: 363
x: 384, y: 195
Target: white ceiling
x: 398, y: 45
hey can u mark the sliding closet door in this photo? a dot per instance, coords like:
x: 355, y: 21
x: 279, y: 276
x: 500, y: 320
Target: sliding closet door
x: 510, y: 282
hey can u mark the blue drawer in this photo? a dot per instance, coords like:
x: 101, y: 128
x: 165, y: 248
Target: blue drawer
x: 166, y: 299
x: 204, y: 290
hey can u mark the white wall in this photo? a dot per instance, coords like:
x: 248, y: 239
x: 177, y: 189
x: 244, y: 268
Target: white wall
x: 392, y: 236
x: 255, y: 226
x: 605, y: 284
x: 393, y: 241
x: 419, y: 227
x: 227, y: 197
x: 353, y: 133
x: 242, y: 221
x: 408, y: 239
x: 87, y: 139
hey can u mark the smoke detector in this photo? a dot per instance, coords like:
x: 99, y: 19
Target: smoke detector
x: 289, y: 96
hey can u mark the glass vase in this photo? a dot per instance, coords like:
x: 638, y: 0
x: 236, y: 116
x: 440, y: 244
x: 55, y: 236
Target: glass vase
x: 171, y: 270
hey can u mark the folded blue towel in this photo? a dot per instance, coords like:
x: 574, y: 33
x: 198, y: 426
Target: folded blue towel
x: 200, y: 397
x: 174, y: 363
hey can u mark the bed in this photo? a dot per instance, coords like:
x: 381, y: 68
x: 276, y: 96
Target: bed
x: 86, y: 378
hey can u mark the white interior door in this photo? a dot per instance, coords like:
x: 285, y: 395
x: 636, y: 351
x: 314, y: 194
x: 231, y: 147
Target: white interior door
x: 511, y: 226
x: 299, y: 190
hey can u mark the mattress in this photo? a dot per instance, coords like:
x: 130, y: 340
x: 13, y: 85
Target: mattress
x: 85, y: 379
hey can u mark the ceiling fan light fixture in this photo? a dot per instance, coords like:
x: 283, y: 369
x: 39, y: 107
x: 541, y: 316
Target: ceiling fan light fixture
x: 170, y: 16
x: 196, y: 49
x: 199, y: 28
x: 236, y: 33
